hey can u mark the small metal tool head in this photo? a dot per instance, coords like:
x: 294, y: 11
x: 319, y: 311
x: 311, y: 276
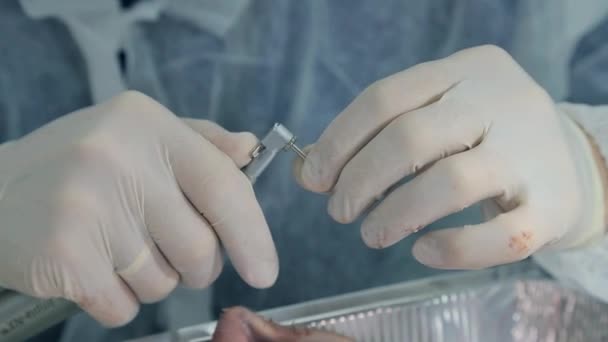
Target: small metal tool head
x: 279, y: 138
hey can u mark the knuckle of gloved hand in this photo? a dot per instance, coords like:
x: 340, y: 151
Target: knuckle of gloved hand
x: 482, y: 60
x: 489, y: 55
x: 97, y: 150
x: 493, y: 52
x: 459, y: 176
x: 135, y: 108
x: 239, y: 146
x: 413, y: 137
x: 129, y: 100
x: 245, y: 141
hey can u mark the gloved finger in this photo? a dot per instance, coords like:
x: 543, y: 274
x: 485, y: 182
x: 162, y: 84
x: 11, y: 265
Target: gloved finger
x: 223, y: 194
x: 509, y: 237
x: 409, y: 143
x: 112, y: 303
x: 368, y: 114
x: 141, y: 265
x: 448, y: 186
x: 238, y: 146
x: 183, y: 235
x: 130, y: 254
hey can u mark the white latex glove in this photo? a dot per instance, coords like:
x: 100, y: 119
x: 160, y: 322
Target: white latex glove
x: 471, y: 127
x: 113, y: 205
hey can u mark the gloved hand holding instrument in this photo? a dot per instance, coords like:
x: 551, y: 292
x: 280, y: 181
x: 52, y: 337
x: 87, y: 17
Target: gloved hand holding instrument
x: 128, y: 200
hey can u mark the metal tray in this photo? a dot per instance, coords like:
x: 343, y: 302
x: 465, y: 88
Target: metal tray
x: 514, y: 311
x: 514, y: 303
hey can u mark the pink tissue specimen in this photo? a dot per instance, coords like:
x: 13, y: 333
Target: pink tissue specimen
x: 241, y: 325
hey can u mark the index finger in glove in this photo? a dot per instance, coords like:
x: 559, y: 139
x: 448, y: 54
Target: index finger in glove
x: 367, y: 115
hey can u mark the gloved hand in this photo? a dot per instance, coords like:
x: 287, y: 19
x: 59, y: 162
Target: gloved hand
x: 115, y: 204
x: 471, y: 127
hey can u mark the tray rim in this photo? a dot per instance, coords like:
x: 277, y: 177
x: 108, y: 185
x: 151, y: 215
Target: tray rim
x: 399, y: 293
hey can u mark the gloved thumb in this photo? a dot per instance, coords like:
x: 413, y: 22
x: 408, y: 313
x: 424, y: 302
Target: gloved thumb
x: 238, y: 146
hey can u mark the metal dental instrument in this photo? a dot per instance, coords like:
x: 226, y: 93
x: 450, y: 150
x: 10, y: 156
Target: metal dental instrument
x: 279, y: 138
x: 22, y: 316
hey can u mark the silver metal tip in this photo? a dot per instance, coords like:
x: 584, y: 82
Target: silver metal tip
x: 297, y: 150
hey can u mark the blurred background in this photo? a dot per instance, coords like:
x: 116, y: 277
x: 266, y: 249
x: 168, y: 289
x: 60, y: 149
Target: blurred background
x: 247, y: 64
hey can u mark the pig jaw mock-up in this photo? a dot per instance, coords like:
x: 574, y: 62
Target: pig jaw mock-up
x: 241, y: 325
